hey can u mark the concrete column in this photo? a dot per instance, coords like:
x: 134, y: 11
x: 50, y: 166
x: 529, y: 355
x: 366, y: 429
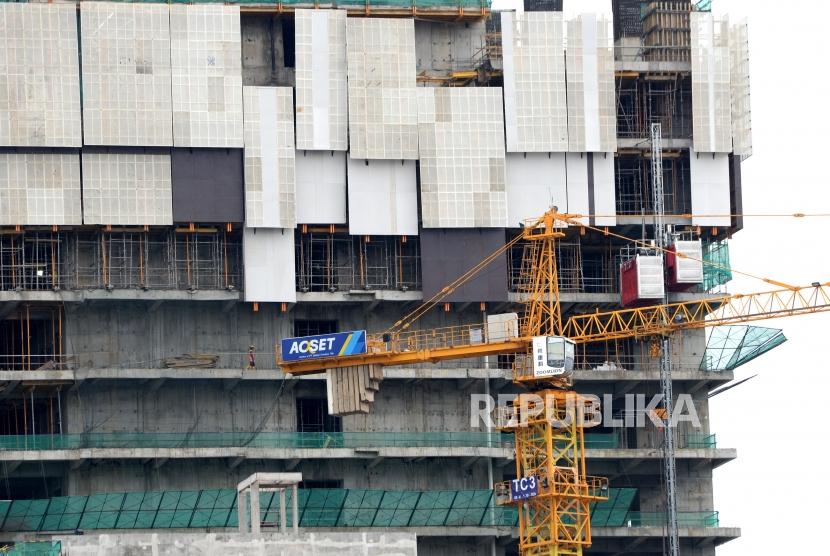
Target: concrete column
x: 294, y: 506
x: 255, y: 520
x: 282, y: 510
x: 241, y: 513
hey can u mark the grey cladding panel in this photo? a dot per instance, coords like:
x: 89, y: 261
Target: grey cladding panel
x: 207, y: 185
x: 446, y: 254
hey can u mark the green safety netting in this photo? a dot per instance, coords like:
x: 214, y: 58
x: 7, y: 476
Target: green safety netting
x: 216, y: 508
x: 716, y: 269
x: 257, y: 440
x: 304, y: 440
x: 700, y: 440
x: 730, y: 347
x: 408, y: 4
x: 33, y: 548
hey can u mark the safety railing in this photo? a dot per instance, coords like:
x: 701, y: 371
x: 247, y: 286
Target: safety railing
x: 698, y: 440
x: 290, y: 440
x: 684, y: 519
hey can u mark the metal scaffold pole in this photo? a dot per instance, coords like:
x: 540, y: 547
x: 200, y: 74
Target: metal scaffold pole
x: 669, y: 468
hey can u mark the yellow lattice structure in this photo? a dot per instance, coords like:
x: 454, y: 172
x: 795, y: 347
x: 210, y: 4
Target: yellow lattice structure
x: 550, y: 447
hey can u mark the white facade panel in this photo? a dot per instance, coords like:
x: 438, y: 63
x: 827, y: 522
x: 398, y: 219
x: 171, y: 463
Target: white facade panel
x: 268, y: 258
x: 605, y: 190
x: 126, y: 74
x: 739, y: 84
x: 320, y: 74
x: 40, y: 90
x: 711, y: 205
x: 383, y: 98
x: 535, y: 107
x: 461, y: 138
x: 535, y: 182
x: 690, y: 267
x: 711, y: 98
x: 383, y: 197
x: 578, y: 194
x: 127, y: 189
x: 206, y: 60
x: 321, y: 187
x: 40, y: 189
x: 592, y: 111
x: 269, y: 157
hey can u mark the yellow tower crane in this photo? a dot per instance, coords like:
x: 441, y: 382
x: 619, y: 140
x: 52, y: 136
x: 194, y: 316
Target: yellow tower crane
x: 552, y: 490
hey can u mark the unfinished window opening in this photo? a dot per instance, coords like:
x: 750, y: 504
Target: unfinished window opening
x: 634, y: 186
x: 313, y: 416
x: 288, y: 58
x: 340, y: 262
x: 314, y: 327
x: 31, y: 338
x: 643, y: 100
x: 32, y: 261
x: 31, y: 411
x: 612, y: 355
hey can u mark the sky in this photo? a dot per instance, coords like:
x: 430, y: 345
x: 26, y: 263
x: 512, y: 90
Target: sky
x: 776, y: 491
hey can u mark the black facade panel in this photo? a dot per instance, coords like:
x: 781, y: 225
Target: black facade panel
x: 446, y: 254
x: 543, y: 5
x: 207, y: 185
x: 736, y: 193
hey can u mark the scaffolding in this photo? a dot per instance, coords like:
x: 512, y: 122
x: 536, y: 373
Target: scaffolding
x: 31, y: 338
x: 634, y: 184
x: 667, y: 31
x: 206, y: 258
x: 334, y: 261
x: 31, y: 260
x: 654, y: 98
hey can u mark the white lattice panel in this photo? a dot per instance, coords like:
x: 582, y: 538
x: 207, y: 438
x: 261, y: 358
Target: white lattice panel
x: 592, y: 111
x: 127, y: 189
x: 320, y: 74
x: 535, y: 108
x: 206, y: 59
x: 383, y: 197
x: 269, y: 157
x: 461, y: 137
x: 711, y: 203
x: 383, y: 99
x: 739, y: 72
x: 321, y: 187
x: 39, y: 83
x: 268, y: 258
x: 126, y: 74
x: 711, y: 98
x: 40, y: 189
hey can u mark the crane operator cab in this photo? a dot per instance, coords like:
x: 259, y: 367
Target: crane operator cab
x: 553, y: 356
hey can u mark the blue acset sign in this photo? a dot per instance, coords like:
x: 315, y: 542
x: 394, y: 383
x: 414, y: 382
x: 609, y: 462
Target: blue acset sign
x: 324, y: 345
x: 524, y: 488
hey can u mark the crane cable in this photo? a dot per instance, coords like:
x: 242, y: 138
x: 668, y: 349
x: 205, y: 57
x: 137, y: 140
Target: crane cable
x: 407, y: 320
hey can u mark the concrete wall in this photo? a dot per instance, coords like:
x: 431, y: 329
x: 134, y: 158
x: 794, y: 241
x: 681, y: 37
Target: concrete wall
x: 263, y: 53
x: 304, y: 544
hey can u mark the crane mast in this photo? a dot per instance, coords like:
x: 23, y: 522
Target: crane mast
x: 669, y: 461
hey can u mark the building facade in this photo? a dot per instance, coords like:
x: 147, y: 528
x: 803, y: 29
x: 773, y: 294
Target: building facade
x: 183, y: 185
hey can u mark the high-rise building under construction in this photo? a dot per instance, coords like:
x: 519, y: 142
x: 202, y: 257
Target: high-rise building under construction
x: 183, y: 185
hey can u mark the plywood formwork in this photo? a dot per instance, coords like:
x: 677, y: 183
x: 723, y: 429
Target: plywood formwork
x: 711, y: 98
x: 320, y: 74
x: 40, y: 189
x: 383, y: 101
x: 592, y: 113
x: 461, y: 139
x: 40, y: 92
x: 533, y: 58
x: 127, y: 188
x: 206, y: 60
x: 126, y: 74
x: 269, y: 157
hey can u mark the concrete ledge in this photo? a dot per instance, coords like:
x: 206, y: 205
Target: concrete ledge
x: 718, y: 534
x: 645, y: 66
x: 368, y: 453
